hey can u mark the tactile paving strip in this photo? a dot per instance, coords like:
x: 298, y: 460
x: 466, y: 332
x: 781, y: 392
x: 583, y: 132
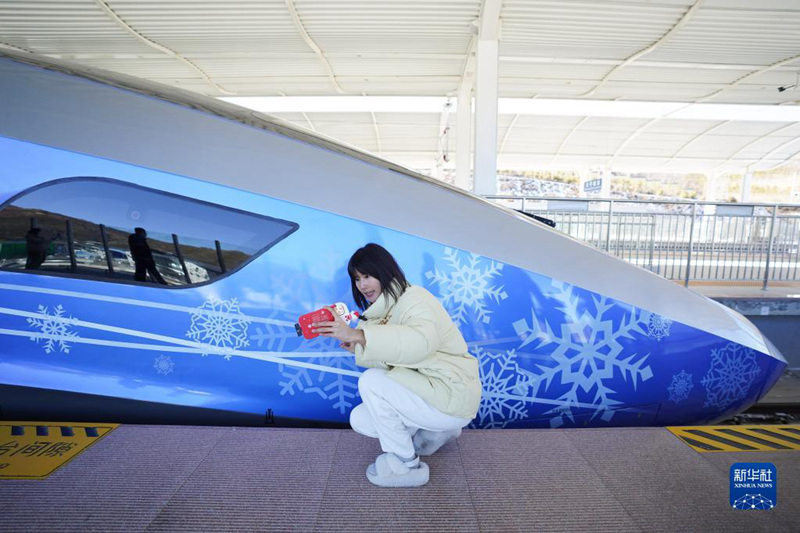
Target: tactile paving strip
x: 739, y: 438
x: 34, y: 450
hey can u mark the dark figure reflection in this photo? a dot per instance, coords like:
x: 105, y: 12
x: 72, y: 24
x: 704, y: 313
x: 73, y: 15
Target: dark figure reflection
x: 36, y: 248
x: 143, y: 257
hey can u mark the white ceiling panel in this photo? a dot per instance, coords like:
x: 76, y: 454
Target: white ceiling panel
x: 723, y: 51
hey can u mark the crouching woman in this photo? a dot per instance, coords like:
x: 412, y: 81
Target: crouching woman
x: 421, y: 386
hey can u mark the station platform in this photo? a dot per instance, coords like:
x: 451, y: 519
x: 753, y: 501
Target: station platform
x: 747, y: 290
x: 780, y: 299
x: 775, y: 311
x: 785, y: 392
x: 184, y: 478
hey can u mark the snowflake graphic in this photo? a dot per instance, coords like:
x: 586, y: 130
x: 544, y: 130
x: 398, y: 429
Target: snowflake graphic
x: 586, y: 352
x: 163, y: 364
x: 504, y: 386
x: 658, y: 326
x: 680, y: 387
x: 220, y: 326
x: 753, y: 502
x: 732, y: 371
x: 340, y: 389
x: 55, y: 329
x: 467, y: 285
x: 274, y: 337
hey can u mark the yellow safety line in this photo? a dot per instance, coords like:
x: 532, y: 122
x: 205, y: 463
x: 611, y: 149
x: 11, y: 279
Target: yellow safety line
x: 771, y: 438
x: 782, y: 430
x: 54, y: 429
x: 741, y: 440
x: 722, y: 447
x: 34, y: 423
x: 687, y: 432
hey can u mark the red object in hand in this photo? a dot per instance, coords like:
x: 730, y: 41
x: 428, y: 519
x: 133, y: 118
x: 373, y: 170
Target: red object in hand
x: 306, y: 321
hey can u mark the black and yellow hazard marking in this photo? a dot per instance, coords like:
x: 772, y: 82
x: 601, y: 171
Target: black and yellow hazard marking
x: 34, y: 450
x: 739, y: 438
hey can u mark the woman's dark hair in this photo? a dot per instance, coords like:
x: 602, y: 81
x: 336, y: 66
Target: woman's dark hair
x: 375, y: 261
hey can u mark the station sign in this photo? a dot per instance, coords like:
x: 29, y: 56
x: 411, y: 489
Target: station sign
x: 593, y: 185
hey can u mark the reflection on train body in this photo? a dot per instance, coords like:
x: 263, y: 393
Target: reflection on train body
x: 82, y: 227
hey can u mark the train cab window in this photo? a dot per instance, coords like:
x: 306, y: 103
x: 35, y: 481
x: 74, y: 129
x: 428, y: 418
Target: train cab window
x: 110, y: 230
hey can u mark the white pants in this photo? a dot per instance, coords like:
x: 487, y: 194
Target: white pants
x: 393, y: 414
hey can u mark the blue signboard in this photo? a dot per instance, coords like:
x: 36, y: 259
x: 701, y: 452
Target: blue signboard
x: 593, y: 185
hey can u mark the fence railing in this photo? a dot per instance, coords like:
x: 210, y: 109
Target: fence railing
x: 682, y: 240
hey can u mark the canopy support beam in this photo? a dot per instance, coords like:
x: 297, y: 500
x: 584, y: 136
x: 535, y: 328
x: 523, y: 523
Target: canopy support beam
x: 486, y: 93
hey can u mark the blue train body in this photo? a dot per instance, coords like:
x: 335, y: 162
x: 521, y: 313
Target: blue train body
x: 552, y: 353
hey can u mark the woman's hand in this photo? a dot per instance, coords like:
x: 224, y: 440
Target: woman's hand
x: 339, y: 329
x: 349, y: 346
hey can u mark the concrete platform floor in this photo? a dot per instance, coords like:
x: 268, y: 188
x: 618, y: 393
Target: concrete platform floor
x: 171, y: 478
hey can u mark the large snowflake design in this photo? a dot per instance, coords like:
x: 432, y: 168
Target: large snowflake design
x: 220, y: 326
x: 338, y: 388
x: 163, y: 364
x: 467, y: 284
x: 680, y: 387
x: 732, y: 371
x: 585, y: 351
x: 55, y: 329
x: 504, y: 385
x: 658, y: 326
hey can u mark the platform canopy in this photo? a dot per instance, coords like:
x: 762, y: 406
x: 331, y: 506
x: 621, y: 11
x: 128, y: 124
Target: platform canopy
x: 554, y: 57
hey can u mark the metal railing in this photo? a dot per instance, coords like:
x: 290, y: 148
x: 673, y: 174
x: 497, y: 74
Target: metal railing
x: 682, y: 240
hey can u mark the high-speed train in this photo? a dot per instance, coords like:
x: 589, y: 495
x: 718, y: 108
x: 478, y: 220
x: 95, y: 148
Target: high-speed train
x: 251, y: 222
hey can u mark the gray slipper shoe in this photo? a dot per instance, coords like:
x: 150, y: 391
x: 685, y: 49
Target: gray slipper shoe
x: 427, y: 442
x: 389, y: 471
